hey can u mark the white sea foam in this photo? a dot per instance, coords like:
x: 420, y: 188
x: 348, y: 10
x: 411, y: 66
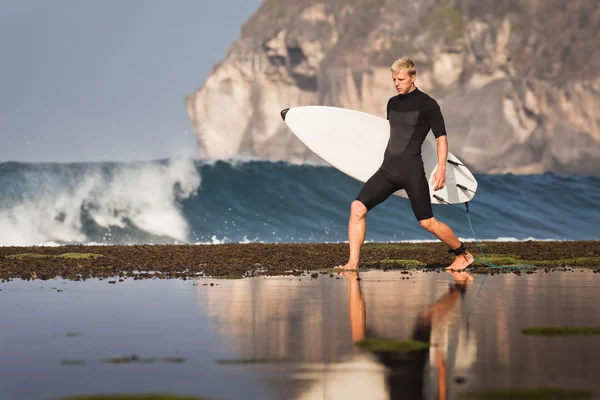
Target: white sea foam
x: 144, y: 196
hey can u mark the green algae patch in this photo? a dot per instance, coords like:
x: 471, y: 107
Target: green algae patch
x: 576, y: 261
x: 390, y: 345
x: 26, y: 255
x: 133, y: 359
x: 550, y: 331
x: 80, y: 255
x: 505, y: 260
x: 247, y: 361
x: 316, y: 253
x: 129, y: 396
x: 72, y: 363
x: 65, y: 255
x: 514, y: 260
x: 585, y: 260
x: 68, y: 334
x: 530, y: 394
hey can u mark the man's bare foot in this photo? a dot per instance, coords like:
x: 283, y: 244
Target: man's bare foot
x: 461, y: 262
x: 348, y: 266
x: 350, y: 275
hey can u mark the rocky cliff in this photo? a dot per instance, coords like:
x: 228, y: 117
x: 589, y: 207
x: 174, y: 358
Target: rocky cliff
x: 518, y: 81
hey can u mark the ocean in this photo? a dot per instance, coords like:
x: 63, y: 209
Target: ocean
x: 185, y: 201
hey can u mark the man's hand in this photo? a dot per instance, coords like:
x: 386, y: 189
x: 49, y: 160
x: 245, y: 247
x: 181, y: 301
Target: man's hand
x: 439, y: 179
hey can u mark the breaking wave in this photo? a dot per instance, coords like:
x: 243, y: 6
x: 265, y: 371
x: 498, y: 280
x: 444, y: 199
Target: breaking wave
x: 190, y: 201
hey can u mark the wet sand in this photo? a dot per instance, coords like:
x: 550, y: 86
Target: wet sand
x: 243, y: 260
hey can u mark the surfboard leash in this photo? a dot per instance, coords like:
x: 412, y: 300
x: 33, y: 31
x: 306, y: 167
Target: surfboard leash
x: 484, y: 260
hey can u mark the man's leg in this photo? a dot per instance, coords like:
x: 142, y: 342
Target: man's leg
x: 357, y: 229
x: 447, y: 236
x: 374, y: 191
x: 417, y: 189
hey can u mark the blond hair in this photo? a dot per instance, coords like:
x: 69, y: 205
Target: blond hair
x: 404, y: 63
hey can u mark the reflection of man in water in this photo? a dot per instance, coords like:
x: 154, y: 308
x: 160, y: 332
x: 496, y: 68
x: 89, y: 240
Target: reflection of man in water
x: 406, y: 375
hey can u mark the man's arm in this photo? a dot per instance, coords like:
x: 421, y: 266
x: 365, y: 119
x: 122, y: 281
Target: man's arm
x: 438, y: 127
x: 439, y: 178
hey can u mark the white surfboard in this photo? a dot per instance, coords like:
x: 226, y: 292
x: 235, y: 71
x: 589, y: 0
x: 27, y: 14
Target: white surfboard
x: 354, y: 142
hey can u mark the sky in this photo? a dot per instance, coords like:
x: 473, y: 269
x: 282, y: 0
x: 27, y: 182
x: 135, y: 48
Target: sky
x: 106, y: 80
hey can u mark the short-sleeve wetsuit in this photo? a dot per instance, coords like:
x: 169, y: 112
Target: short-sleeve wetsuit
x: 411, y: 116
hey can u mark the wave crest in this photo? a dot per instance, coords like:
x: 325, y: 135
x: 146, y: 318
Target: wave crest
x: 90, y: 202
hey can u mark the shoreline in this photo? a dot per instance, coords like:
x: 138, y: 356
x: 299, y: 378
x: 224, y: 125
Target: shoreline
x: 237, y: 260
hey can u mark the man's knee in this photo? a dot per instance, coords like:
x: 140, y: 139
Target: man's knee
x: 427, y: 224
x: 358, y: 209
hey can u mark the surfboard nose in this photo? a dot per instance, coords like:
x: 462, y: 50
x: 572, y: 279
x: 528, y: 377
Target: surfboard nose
x: 283, y: 112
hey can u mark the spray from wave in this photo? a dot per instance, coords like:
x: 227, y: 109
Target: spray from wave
x: 82, y: 203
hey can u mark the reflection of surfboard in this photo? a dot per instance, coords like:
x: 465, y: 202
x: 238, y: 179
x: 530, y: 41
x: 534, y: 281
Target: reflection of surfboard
x: 354, y: 143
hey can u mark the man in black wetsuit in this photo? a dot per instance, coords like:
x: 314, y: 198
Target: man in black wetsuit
x: 411, y: 114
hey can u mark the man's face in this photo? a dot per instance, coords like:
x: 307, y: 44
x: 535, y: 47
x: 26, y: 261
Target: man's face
x: 403, y: 81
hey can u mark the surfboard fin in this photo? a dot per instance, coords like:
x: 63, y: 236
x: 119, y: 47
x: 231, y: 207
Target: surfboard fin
x: 465, y: 188
x: 438, y: 198
x: 454, y: 163
x: 283, y: 112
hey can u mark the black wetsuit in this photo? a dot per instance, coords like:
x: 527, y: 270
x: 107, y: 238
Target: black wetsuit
x: 411, y: 116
